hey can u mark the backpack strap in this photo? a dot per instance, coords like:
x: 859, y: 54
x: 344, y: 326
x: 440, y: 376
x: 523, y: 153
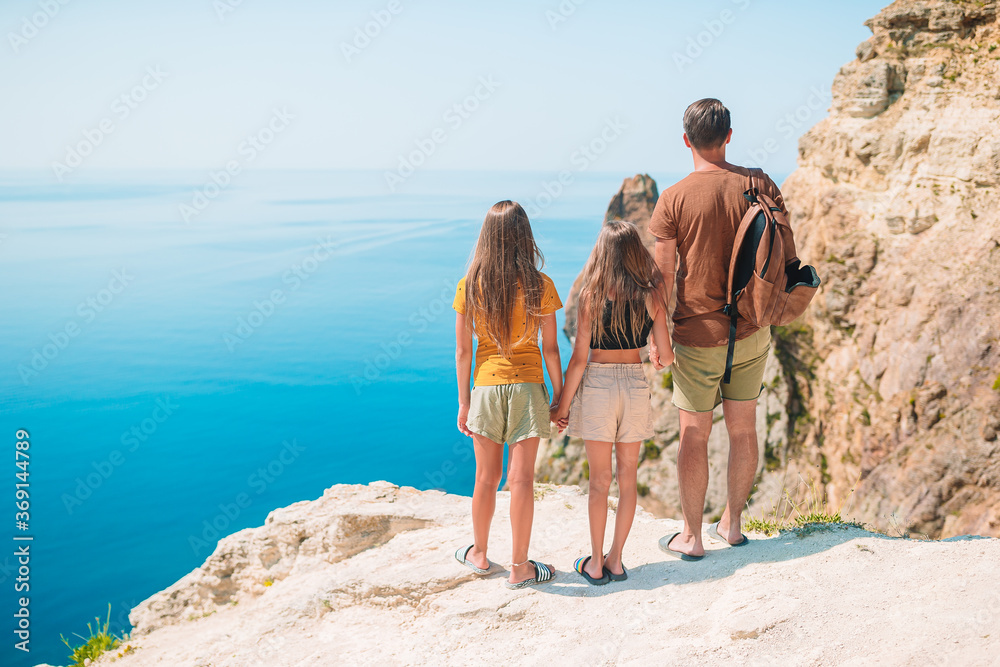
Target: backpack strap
x: 731, y: 350
x: 756, y: 178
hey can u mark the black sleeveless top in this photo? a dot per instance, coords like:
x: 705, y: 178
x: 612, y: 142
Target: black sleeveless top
x: 631, y: 339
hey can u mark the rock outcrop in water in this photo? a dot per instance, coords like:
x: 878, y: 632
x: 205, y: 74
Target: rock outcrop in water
x: 884, y: 400
x: 365, y: 575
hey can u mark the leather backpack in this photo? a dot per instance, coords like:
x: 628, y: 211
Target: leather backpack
x: 767, y: 283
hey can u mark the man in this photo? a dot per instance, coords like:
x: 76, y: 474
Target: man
x: 695, y: 223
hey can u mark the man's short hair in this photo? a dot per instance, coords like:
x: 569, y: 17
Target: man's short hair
x: 707, y: 123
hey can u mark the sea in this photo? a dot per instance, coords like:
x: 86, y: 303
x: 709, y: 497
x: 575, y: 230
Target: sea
x: 182, y: 354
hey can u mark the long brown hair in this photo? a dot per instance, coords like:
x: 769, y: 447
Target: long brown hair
x: 622, y: 270
x: 503, y: 270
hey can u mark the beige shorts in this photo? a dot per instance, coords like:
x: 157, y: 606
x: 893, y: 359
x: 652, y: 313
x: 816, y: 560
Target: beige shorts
x: 510, y: 412
x: 697, y: 373
x: 612, y: 404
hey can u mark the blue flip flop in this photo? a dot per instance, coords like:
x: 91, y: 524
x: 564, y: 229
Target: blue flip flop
x: 580, y: 563
x: 674, y: 553
x: 713, y: 532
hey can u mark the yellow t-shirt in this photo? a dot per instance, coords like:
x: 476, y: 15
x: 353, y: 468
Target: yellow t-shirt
x: 525, y: 364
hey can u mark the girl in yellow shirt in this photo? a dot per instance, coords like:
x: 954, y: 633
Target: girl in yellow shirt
x: 505, y: 301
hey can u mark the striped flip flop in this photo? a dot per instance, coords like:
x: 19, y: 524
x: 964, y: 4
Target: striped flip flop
x: 542, y: 575
x: 460, y: 556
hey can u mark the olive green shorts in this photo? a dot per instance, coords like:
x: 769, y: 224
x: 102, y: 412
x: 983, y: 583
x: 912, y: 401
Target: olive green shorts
x: 697, y: 373
x: 510, y: 412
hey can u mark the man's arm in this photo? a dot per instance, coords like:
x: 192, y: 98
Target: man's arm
x: 665, y: 256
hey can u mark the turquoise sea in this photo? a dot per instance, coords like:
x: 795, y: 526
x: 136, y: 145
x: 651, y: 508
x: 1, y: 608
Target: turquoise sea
x: 181, y: 379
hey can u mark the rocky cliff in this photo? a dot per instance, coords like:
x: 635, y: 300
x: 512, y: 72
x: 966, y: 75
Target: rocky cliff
x: 365, y: 575
x: 896, y: 201
x: 884, y: 400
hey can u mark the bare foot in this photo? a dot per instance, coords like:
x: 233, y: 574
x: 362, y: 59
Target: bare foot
x: 732, y: 534
x: 478, y: 558
x: 688, y: 544
x: 595, y: 567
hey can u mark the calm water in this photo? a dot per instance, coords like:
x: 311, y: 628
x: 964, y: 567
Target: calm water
x: 179, y: 380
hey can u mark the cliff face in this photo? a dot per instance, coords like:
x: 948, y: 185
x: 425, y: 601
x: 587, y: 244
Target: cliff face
x: 884, y: 399
x: 365, y: 575
x: 895, y: 201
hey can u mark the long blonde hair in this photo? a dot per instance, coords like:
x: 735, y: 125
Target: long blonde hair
x: 503, y: 270
x: 622, y: 270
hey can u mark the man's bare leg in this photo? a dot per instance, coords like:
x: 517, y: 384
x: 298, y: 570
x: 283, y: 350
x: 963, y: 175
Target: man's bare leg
x: 692, y: 478
x: 741, y: 422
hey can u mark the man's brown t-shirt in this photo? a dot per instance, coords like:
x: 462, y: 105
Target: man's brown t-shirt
x: 703, y: 211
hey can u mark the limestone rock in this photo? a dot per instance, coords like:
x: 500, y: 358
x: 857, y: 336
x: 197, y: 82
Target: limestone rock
x: 365, y: 575
x: 895, y: 200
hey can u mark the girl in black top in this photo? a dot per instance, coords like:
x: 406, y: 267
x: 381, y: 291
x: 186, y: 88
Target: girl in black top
x: 606, y: 398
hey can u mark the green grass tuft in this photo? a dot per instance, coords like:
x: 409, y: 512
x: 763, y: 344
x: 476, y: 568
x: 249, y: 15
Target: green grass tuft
x: 650, y: 451
x: 668, y: 380
x: 642, y: 489
x: 996, y: 385
x: 762, y: 525
x: 99, y: 641
x: 814, y: 515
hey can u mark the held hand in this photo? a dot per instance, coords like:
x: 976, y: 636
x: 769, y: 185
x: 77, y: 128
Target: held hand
x: 654, y: 356
x: 666, y: 359
x: 559, y: 417
x: 463, y: 417
x: 554, y: 412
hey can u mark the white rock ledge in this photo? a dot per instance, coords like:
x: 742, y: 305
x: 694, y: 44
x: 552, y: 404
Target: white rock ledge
x: 366, y: 575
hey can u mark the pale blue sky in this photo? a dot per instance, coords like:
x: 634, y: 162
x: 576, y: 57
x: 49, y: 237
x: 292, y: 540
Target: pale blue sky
x: 558, y: 84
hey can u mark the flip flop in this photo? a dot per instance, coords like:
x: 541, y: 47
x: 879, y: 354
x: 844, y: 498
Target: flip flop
x: 713, y: 532
x: 580, y: 563
x: 616, y: 577
x: 673, y: 553
x: 460, y: 556
x: 542, y: 575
